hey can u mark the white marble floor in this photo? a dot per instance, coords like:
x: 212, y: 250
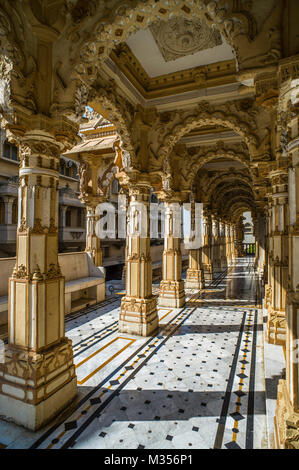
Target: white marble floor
x: 199, y: 383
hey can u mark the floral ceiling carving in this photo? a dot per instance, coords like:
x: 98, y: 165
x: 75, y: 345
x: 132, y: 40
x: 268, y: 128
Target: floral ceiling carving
x: 179, y: 37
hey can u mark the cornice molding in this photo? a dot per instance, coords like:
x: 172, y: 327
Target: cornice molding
x: 220, y: 73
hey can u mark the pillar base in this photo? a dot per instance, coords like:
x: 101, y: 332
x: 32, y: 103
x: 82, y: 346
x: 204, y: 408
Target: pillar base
x: 286, y: 420
x: 172, y: 294
x: 217, y: 268
x: 35, y: 387
x: 276, y: 327
x: 138, y: 316
x: 194, y: 279
x: 223, y: 264
x: 208, y: 272
x: 268, y: 295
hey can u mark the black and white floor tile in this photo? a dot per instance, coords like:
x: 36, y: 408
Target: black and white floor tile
x: 199, y: 383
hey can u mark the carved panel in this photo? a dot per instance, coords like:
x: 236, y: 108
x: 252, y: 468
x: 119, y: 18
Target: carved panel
x: 179, y: 37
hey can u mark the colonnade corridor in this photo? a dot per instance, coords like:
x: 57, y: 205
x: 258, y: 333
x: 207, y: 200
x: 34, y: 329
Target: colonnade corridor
x: 198, y: 383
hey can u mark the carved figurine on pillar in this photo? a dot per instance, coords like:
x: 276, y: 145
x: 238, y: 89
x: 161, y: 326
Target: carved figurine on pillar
x: 240, y: 237
x: 91, y: 196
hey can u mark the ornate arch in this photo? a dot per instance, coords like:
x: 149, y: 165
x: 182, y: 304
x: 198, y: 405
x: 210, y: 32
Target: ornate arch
x: 12, y: 58
x: 239, y: 116
x: 224, y: 208
x: 228, y: 16
x: 120, y: 113
x: 238, y: 153
x: 105, y: 180
x: 235, y: 209
x: 230, y: 191
x: 219, y: 179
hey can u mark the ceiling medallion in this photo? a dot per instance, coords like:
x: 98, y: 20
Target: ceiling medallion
x: 179, y: 37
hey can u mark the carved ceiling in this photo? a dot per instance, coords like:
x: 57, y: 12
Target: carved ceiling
x: 179, y: 37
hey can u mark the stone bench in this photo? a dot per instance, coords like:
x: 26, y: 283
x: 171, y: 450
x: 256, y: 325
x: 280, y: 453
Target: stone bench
x: 6, y: 269
x: 84, y: 282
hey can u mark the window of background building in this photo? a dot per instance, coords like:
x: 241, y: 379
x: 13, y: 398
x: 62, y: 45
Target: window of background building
x: 2, y: 211
x: 248, y: 228
x: 15, y: 212
x: 80, y: 217
x: 115, y: 187
x: 68, y: 217
x: 10, y: 151
x: 105, y: 251
x: 68, y: 168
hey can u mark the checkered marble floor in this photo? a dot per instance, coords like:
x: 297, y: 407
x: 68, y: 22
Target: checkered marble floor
x: 198, y: 383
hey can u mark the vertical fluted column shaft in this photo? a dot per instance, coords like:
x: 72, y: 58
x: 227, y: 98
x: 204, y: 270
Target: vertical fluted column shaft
x: 93, y: 242
x: 222, y: 246
x: 195, y: 272
x: 37, y: 378
x: 138, y: 314
x: 276, y: 326
x: 207, y: 262
x: 215, y: 245
x: 287, y: 405
x: 172, y: 292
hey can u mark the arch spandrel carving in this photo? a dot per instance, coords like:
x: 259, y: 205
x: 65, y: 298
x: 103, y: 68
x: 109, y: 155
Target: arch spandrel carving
x: 223, y: 206
x: 224, y: 178
x: 199, y: 157
x: 120, y: 112
x: 244, y: 29
x: 242, y: 116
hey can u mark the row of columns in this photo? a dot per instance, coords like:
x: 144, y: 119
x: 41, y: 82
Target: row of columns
x: 8, y: 209
x: 278, y: 257
x: 282, y: 255
x: 138, y: 314
x: 37, y: 377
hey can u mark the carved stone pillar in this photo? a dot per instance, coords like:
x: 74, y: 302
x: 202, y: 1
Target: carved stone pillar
x: 172, y: 292
x: 138, y: 313
x: 228, y: 245
x: 215, y: 245
x: 239, y: 233
x: 207, y: 264
x: 91, y: 196
x: 276, y: 326
x: 268, y: 289
x: 222, y: 246
x: 260, y: 237
x: 37, y: 378
x: 93, y: 242
x: 232, y: 239
x: 287, y: 407
x: 195, y: 274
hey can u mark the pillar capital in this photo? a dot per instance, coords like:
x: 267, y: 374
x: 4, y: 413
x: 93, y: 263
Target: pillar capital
x: 171, y: 197
x: 58, y: 131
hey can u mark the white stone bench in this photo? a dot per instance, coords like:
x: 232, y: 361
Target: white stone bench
x: 6, y: 268
x: 84, y: 282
